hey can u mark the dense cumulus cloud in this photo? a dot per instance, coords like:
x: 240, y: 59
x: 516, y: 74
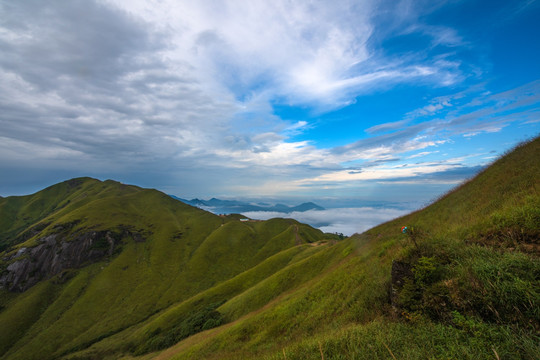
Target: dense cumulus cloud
x: 181, y: 95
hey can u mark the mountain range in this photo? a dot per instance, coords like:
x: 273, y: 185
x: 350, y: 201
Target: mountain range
x: 218, y: 206
x: 95, y: 269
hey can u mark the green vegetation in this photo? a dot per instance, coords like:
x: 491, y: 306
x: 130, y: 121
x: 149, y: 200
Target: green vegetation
x: 207, y: 287
x: 204, y: 319
x: 169, y: 257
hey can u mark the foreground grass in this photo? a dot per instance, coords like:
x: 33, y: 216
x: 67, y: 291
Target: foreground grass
x: 347, y: 314
x: 384, y: 339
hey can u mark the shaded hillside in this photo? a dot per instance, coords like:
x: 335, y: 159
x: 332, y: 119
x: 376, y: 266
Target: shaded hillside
x: 87, y: 259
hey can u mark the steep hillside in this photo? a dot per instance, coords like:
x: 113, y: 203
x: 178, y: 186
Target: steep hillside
x: 86, y: 259
x: 462, y: 282
x: 18, y: 213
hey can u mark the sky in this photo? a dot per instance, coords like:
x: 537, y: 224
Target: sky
x: 344, y: 103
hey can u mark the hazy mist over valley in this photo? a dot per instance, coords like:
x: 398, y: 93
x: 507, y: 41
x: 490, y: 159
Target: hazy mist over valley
x: 336, y: 216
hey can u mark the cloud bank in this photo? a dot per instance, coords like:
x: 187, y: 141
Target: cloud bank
x: 338, y: 220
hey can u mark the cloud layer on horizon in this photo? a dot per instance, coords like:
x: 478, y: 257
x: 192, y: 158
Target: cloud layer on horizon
x: 337, y: 220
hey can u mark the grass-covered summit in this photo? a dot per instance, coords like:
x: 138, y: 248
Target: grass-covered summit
x: 179, y: 283
x: 86, y: 259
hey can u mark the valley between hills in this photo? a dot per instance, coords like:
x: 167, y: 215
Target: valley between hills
x: 95, y: 269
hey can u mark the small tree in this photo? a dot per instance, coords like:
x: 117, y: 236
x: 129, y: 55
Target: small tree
x: 411, y: 233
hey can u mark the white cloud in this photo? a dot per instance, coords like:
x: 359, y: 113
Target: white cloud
x: 341, y: 220
x: 423, y: 153
x: 301, y: 51
x: 379, y: 173
x: 391, y: 126
x: 315, y: 53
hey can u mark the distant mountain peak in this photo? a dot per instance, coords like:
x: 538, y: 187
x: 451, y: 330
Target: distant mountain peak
x: 234, y: 206
x: 308, y: 206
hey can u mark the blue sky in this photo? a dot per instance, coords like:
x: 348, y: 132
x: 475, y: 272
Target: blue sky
x: 332, y: 101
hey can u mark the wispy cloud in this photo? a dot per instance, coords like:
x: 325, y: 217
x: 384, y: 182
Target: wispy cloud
x: 175, y: 78
x: 392, y: 126
x: 423, y: 153
x: 383, y: 173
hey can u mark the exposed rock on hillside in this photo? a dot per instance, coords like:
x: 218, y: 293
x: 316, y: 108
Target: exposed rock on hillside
x: 401, y: 271
x: 53, y: 255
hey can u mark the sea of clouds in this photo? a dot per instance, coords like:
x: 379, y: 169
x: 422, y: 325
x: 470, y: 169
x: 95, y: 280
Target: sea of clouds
x: 337, y: 220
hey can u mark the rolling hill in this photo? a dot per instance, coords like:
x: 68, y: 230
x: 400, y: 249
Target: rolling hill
x: 158, y: 279
x: 86, y: 259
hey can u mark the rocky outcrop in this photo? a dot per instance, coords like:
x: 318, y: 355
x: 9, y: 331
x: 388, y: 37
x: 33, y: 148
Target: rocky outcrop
x: 400, y: 272
x: 53, y: 255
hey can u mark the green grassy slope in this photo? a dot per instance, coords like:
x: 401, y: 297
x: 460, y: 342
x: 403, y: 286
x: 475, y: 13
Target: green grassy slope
x: 468, y: 289
x: 471, y: 290
x: 18, y: 213
x: 186, y: 261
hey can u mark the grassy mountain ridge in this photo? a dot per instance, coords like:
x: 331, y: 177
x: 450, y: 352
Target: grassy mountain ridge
x: 19, y: 212
x: 166, y: 253
x: 463, y: 282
